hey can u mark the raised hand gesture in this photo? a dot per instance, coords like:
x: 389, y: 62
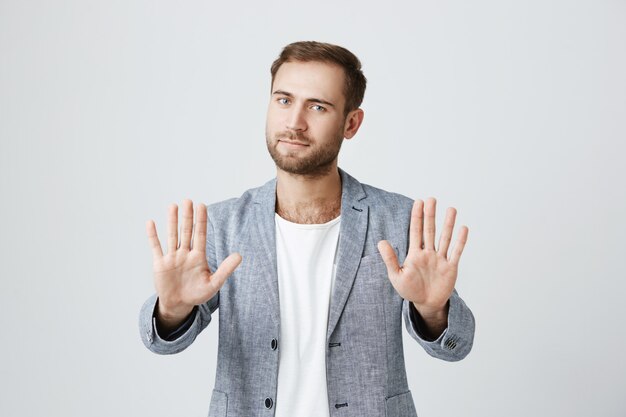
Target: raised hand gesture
x: 182, y: 277
x: 428, y: 275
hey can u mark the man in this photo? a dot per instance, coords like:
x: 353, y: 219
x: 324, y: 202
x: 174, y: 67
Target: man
x: 316, y: 270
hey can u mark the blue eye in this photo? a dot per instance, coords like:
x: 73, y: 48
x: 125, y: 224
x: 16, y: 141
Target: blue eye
x: 282, y: 98
x: 320, y: 107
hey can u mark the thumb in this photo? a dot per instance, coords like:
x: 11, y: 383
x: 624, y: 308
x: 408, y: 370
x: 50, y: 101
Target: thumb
x: 226, y: 268
x: 389, y: 256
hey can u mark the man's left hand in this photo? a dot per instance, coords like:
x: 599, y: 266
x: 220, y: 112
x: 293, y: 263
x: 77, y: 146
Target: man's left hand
x: 428, y: 275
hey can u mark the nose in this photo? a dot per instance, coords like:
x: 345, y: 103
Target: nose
x: 296, y: 119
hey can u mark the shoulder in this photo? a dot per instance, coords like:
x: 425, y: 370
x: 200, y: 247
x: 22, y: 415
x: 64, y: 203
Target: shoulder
x: 387, y: 199
x: 389, y: 217
x: 236, y: 208
x: 371, y: 195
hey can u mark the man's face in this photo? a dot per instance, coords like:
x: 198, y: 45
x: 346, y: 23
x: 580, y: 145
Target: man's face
x: 305, y: 121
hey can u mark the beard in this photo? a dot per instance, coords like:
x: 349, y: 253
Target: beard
x: 317, y: 162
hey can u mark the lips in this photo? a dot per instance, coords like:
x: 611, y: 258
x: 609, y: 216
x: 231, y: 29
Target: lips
x: 292, y: 139
x: 290, y: 142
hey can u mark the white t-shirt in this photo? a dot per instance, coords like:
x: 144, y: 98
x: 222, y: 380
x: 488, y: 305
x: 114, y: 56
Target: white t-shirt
x: 306, y: 275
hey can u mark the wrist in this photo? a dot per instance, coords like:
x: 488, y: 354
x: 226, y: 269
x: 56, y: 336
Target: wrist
x: 432, y: 312
x: 431, y: 322
x: 171, y: 316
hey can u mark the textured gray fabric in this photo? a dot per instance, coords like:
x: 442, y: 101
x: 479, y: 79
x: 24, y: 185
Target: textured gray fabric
x: 366, y: 373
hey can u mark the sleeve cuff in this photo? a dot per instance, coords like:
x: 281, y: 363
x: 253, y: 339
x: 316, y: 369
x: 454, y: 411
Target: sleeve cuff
x: 456, y: 341
x: 181, y: 337
x: 176, y: 333
x: 418, y: 325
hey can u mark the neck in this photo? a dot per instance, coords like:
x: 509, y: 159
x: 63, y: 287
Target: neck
x: 310, y: 200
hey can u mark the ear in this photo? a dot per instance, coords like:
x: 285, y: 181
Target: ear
x: 352, y: 123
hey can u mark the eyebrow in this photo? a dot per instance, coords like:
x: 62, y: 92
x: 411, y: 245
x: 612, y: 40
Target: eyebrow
x: 311, y: 100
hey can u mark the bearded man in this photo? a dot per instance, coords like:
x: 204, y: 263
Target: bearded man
x: 312, y: 272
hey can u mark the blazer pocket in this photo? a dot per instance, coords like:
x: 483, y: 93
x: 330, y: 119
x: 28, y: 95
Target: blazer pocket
x: 219, y: 404
x: 374, y: 257
x: 400, y: 405
x: 370, y: 282
x: 370, y: 259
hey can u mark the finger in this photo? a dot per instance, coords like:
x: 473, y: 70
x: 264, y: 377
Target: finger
x: 226, y: 268
x: 389, y: 256
x: 429, y: 223
x: 446, y: 232
x: 459, y: 245
x: 172, y: 228
x: 416, y: 226
x: 153, y: 240
x: 186, y: 225
x: 199, y: 235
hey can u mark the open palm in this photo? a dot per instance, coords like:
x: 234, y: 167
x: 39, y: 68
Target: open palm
x: 182, y: 277
x: 428, y: 275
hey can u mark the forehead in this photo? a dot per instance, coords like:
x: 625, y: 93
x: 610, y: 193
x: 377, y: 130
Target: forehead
x: 311, y: 79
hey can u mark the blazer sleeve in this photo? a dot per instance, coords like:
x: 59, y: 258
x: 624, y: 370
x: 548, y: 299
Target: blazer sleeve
x: 456, y: 341
x: 199, y: 319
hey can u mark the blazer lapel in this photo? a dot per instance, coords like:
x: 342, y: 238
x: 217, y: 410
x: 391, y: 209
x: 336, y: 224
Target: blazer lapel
x: 352, y: 232
x: 264, y: 235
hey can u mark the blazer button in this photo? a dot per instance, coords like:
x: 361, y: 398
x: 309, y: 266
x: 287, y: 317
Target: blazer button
x: 450, y: 344
x: 269, y: 402
x: 274, y: 344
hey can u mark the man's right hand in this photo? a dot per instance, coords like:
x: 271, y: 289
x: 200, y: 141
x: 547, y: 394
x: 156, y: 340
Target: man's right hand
x: 182, y: 277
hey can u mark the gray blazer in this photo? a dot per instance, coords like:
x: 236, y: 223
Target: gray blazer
x: 365, y: 368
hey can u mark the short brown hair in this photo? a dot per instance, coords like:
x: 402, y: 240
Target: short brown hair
x: 305, y: 51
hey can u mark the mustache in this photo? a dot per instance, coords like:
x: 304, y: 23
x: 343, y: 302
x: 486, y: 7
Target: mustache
x: 293, y: 137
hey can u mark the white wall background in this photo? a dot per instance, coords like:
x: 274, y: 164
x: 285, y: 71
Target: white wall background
x: 512, y: 111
